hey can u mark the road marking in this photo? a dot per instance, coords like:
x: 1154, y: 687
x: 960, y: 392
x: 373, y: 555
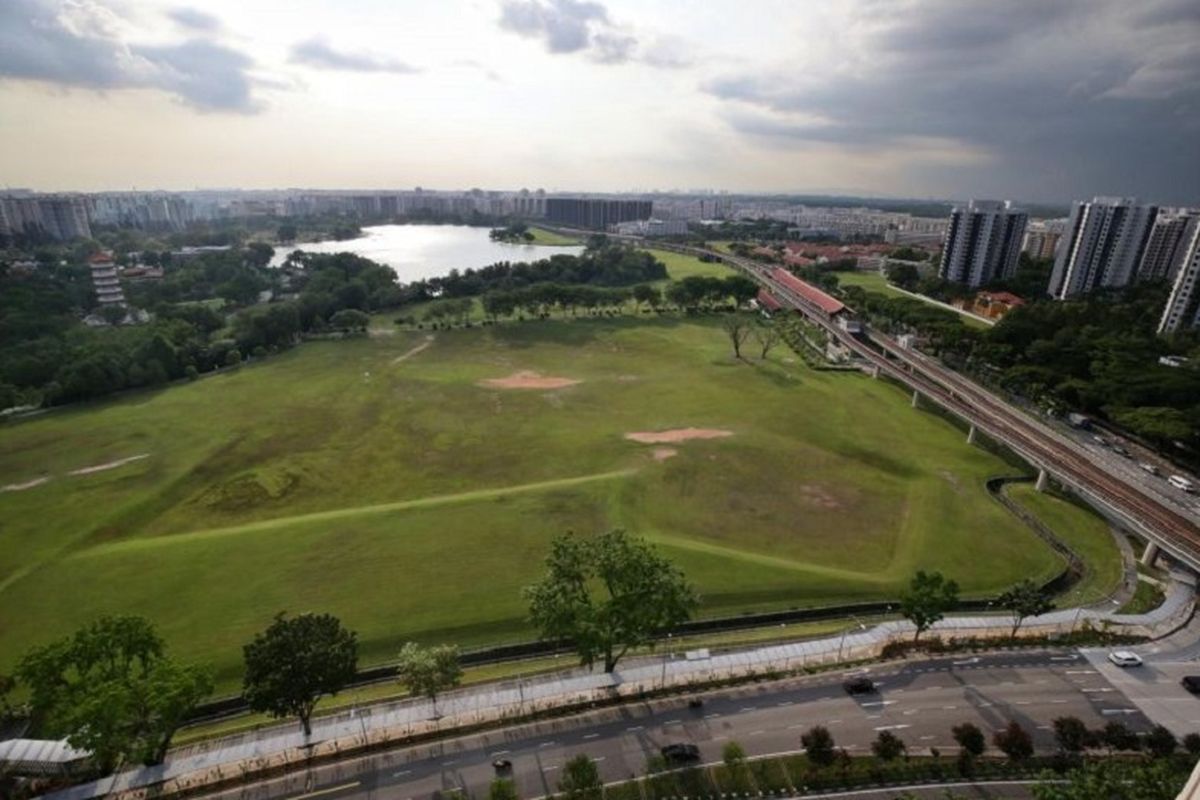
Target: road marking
x: 546, y: 744
x: 1043, y: 727
x: 785, y: 703
x: 1024, y: 702
x: 599, y: 758
x: 330, y: 790
x: 927, y: 738
x: 673, y: 722
x: 879, y: 703
x: 402, y: 773
x: 834, y: 722
x: 749, y: 708
x: 550, y: 769
x: 591, y: 735
x: 974, y: 660
x: 502, y: 752
x: 1059, y: 702
x: 756, y: 733
x: 634, y: 728
x: 1080, y: 672
x: 1090, y: 691
x: 949, y: 708
x: 711, y: 716
x: 892, y: 727
x: 1118, y: 711
x: 984, y: 705
x: 1063, y: 658
x: 796, y: 727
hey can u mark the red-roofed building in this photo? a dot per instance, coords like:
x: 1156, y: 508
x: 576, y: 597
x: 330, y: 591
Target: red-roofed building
x: 995, y: 305
x: 828, y: 304
x: 767, y: 300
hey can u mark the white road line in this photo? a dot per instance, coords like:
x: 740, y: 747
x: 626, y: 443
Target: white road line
x: 1063, y: 658
x: 402, y: 773
x: 927, y: 738
x: 949, y: 708
x: 910, y: 712
x: 501, y: 753
x: 796, y: 727
x: 756, y: 733
x: 711, y: 716
x: 750, y: 708
x: 551, y: 769
x: 591, y: 736
x: 984, y: 705
x: 1081, y: 672
x: 785, y: 703
x: 1094, y: 691
x: 547, y: 744
x: 879, y: 703
x: 635, y: 728
x: 599, y: 758
x: 834, y: 722
x: 1118, y: 711
x: 673, y: 722
x: 330, y: 790
x: 892, y: 727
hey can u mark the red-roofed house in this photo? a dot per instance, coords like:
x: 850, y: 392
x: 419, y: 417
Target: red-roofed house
x: 995, y: 305
x: 828, y: 304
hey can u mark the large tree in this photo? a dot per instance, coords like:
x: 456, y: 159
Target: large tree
x: 1024, y: 600
x: 295, y: 662
x: 607, y: 594
x: 111, y: 689
x: 927, y: 600
x: 429, y: 671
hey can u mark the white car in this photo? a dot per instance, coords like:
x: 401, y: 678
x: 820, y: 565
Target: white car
x: 1124, y: 658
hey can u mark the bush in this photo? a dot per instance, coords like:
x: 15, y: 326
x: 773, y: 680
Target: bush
x: 970, y: 739
x: 888, y: 746
x: 1014, y: 741
x: 190, y: 372
x: 818, y: 744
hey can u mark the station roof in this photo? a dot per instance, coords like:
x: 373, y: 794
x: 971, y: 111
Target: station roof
x: 827, y: 303
x: 768, y: 301
x: 39, y: 751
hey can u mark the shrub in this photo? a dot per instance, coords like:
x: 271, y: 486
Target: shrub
x: 818, y: 744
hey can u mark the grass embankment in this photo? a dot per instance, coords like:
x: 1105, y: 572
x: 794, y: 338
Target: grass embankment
x: 1147, y: 598
x: 874, y: 282
x: 415, y: 503
x: 1085, y: 532
x: 550, y: 238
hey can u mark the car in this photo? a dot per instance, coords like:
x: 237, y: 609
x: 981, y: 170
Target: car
x: 1100, y: 440
x: 1124, y: 658
x: 502, y: 766
x: 1153, y: 470
x: 1122, y: 452
x: 680, y: 753
x: 859, y: 684
x: 1191, y: 683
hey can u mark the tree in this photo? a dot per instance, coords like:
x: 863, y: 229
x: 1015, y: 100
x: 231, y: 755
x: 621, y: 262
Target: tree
x: 429, y: 671
x: 296, y: 661
x: 1014, y: 742
x: 905, y: 276
x: 737, y: 328
x: 1160, y: 742
x: 740, y: 288
x: 768, y: 336
x: 1071, y: 734
x: 1116, y: 736
x: 818, y: 745
x: 1024, y: 600
x: 581, y: 779
x: 111, y: 689
x: 258, y: 254
x: 349, y: 319
x: 888, y: 746
x: 970, y: 739
x: 927, y: 600
x: 648, y: 294
x: 286, y: 233
x: 1191, y: 743
x: 502, y: 789
x: 607, y: 594
x: 1114, y: 780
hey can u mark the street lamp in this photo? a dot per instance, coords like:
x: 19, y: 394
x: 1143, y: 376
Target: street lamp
x: 662, y: 683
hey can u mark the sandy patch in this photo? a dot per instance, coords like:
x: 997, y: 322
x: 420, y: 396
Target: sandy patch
x: 20, y: 487
x: 406, y: 356
x: 627, y: 378
x: 676, y: 435
x: 663, y: 453
x: 527, y: 379
x: 120, y: 462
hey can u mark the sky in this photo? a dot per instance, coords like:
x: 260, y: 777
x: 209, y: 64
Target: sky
x: 1034, y: 100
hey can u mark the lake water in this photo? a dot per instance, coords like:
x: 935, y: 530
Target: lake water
x: 416, y: 252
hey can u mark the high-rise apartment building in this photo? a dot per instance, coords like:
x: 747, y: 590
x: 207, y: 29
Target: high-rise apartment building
x: 595, y: 212
x: 1102, y: 245
x: 1164, y: 247
x: 105, y: 280
x: 982, y: 242
x: 1042, y: 238
x: 1183, y: 305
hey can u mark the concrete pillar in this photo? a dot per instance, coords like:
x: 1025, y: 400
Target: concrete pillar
x: 875, y: 371
x: 1150, y: 554
x: 1042, y: 479
x: 971, y: 435
x: 916, y: 398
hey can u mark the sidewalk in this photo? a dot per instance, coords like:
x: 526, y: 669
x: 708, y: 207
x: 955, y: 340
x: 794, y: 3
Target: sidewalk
x: 283, y: 746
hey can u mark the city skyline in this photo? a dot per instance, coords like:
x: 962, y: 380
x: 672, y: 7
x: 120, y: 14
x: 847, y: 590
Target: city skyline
x: 934, y: 100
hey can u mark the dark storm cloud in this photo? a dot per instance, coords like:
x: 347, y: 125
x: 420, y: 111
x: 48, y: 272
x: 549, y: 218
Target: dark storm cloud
x: 1068, y: 98
x: 75, y: 45
x: 320, y: 54
x: 194, y: 19
x: 571, y: 26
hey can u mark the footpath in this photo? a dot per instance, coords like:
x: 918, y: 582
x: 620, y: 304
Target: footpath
x: 279, y: 747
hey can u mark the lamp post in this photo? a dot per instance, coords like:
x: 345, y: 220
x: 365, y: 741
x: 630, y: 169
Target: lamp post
x: 662, y: 683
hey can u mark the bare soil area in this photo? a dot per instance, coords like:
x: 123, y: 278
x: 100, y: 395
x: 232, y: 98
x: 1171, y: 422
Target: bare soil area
x: 677, y: 435
x: 527, y: 379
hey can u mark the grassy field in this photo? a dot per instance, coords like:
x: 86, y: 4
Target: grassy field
x: 874, y: 282
x: 403, y: 496
x: 680, y: 266
x: 543, y: 236
x: 1083, y: 531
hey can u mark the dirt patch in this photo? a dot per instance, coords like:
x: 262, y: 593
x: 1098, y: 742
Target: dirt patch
x: 676, y: 435
x: 663, y: 453
x: 120, y: 462
x: 527, y: 379
x: 406, y: 356
x: 20, y: 487
x: 819, y: 496
x: 627, y: 378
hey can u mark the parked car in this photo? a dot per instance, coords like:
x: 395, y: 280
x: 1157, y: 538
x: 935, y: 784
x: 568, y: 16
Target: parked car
x: 1191, y: 683
x: 680, y: 753
x: 860, y: 684
x: 1122, y: 452
x: 1100, y: 440
x: 1124, y: 658
x: 502, y: 766
x: 1153, y: 470
x: 1181, y: 483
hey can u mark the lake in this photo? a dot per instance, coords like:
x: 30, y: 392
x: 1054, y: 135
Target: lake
x: 417, y: 252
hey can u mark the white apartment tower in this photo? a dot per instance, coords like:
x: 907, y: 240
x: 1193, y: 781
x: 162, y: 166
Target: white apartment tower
x: 1183, y: 305
x: 1164, y: 247
x: 982, y: 242
x: 1102, y: 246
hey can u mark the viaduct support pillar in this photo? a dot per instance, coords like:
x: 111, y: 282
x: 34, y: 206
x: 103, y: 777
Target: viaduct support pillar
x: 1042, y: 479
x: 875, y: 372
x: 971, y: 435
x: 916, y: 398
x: 1150, y: 554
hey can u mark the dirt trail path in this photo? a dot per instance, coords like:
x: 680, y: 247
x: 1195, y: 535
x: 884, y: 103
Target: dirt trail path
x: 406, y: 356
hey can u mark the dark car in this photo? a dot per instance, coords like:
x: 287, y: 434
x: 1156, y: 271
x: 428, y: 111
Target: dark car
x: 1191, y: 683
x: 859, y: 685
x: 502, y: 766
x: 680, y: 753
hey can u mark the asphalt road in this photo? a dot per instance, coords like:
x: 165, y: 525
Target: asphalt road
x: 920, y: 701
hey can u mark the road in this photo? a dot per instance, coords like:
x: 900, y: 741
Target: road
x: 920, y: 701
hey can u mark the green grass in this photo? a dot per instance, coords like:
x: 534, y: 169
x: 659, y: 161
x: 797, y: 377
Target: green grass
x: 874, y: 282
x: 545, y: 237
x: 680, y: 266
x: 414, y: 503
x: 1146, y: 598
x: 1086, y: 533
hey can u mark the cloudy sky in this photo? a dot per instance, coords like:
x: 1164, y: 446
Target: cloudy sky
x: 1029, y: 99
